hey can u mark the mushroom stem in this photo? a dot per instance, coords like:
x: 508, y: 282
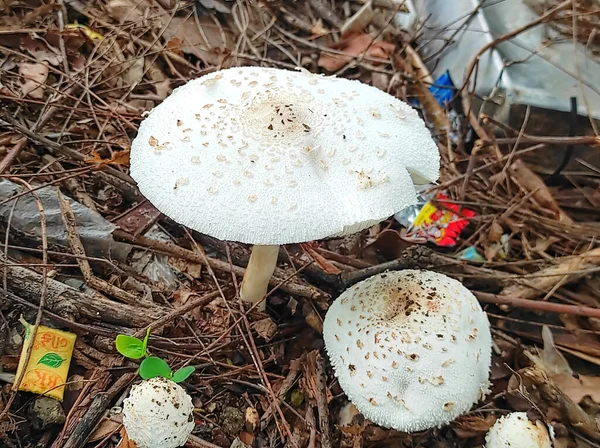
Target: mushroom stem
x: 258, y: 273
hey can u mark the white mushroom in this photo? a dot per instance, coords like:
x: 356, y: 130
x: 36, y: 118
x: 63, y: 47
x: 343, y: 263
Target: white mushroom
x: 411, y: 349
x: 268, y: 157
x: 158, y: 414
x: 517, y: 431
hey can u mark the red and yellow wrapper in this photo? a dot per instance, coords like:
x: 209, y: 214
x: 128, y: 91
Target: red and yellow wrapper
x: 48, y: 367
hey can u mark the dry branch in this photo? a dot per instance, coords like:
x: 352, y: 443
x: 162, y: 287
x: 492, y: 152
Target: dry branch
x: 294, y: 288
x: 67, y: 301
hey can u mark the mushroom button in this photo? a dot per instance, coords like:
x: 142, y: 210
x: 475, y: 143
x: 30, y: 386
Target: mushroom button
x: 267, y: 157
x: 411, y: 349
x: 515, y: 430
x: 158, y: 414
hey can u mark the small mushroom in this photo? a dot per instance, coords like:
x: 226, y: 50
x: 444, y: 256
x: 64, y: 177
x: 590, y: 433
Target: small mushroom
x: 411, y: 349
x: 158, y: 414
x: 515, y: 430
x: 267, y: 157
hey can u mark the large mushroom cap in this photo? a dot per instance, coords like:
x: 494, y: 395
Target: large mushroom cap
x: 158, y: 414
x: 517, y: 431
x: 411, y: 349
x: 269, y: 156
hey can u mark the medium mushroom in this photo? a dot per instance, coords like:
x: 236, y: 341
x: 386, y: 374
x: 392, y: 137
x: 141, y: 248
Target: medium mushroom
x: 158, y: 414
x: 268, y: 157
x: 515, y: 430
x: 411, y: 349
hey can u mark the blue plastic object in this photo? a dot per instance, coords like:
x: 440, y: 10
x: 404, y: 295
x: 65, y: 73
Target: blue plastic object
x: 443, y: 89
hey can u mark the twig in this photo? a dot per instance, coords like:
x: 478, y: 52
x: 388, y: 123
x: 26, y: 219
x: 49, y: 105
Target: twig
x: 63, y: 299
x: 316, y: 364
x: 170, y: 249
x: 285, y: 387
x: 68, y: 218
x: 90, y: 420
x: 12, y: 155
x: 547, y: 140
x: 538, y: 305
x: 196, y: 442
x: 198, y: 302
x: 574, y: 267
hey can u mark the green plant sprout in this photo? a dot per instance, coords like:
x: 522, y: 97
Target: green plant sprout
x: 151, y: 366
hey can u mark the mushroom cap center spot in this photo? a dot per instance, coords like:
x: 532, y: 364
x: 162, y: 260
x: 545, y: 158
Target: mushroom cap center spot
x: 280, y: 117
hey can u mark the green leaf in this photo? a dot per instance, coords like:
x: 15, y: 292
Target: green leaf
x: 152, y: 367
x: 183, y: 374
x: 145, y: 342
x: 130, y: 347
x: 51, y: 360
x: 27, y: 326
x: 297, y: 397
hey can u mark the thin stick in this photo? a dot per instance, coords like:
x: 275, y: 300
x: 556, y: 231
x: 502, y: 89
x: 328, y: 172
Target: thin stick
x: 68, y: 218
x: 189, y: 306
x: 12, y: 155
x: 538, y: 305
x: 298, y: 289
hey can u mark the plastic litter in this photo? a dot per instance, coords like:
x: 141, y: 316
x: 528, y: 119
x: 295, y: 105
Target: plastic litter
x: 470, y: 254
x: 48, y: 367
x: 95, y: 231
x: 440, y: 224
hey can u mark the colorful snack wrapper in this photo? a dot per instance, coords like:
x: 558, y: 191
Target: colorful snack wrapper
x: 441, y: 226
x: 48, y: 367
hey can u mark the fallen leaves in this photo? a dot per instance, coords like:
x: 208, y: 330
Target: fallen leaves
x: 576, y: 388
x: 355, y: 45
x: 118, y: 158
x: 265, y: 328
x: 34, y: 78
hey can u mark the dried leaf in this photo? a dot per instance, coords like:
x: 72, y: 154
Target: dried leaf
x: 203, y: 39
x: 127, y: 10
x: 186, y: 266
x: 134, y: 73
x: 118, y: 158
x: 125, y: 441
x: 265, y: 328
x: 320, y: 260
x: 35, y: 75
x: 468, y: 426
x: 577, y: 388
x: 554, y: 361
x: 216, y: 5
x: 549, y: 277
x: 40, y: 49
x: 353, y: 45
x: 104, y: 429
x: 246, y: 438
x: 531, y: 182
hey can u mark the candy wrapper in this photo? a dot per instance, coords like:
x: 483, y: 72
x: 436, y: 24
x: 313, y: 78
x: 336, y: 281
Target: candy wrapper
x: 48, y: 367
x: 440, y: 225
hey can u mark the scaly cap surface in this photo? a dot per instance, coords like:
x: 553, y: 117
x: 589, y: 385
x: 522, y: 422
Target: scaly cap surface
x: 515, y: 430
x: 411, y: 349
x: 158, y: 414
x: 270, y: 156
